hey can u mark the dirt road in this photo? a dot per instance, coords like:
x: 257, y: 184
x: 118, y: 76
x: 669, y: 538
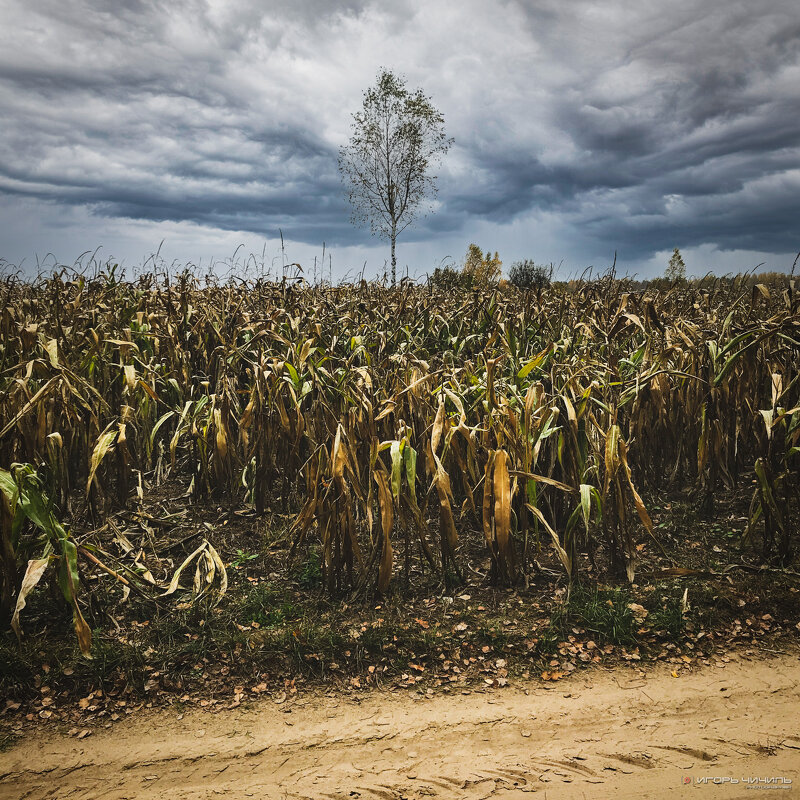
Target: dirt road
x: 602, y: 734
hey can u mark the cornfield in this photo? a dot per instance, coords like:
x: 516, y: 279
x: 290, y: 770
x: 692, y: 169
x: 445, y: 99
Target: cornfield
x: 396, y: 426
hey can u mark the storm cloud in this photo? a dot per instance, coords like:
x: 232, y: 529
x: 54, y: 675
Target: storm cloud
x: 584, y: 128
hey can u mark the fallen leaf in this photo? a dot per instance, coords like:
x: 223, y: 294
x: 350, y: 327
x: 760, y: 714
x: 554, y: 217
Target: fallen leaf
x: 639, y: 612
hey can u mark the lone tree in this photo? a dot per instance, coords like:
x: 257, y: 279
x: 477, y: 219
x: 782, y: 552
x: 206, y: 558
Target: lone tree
x: 676, y: 269
x: 398, y: 136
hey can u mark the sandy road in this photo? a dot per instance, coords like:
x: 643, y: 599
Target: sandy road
x: 602, y: 734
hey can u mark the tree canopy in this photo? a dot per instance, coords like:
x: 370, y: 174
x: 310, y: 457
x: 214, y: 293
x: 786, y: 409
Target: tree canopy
x: 480, y: 268
x: 676, y: 269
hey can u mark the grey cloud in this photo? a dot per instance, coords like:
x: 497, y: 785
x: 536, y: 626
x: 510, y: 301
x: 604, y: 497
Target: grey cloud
x: 639, y: 127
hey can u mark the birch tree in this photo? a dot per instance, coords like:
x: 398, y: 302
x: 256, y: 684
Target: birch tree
x: 397, y: 138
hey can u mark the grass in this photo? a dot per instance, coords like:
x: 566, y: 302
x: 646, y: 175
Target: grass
x: 492, y: 634
x: 308, y: 573
x: 668, y: 617
x: 266, y: 605
x: 607, y: 615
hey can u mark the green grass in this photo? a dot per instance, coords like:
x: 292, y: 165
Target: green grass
x: 493, y: 634
x: 17, y: 664
x: 667, y: 617
x: 267, y: 606
x: 602, y: 612
x: 606, y: 614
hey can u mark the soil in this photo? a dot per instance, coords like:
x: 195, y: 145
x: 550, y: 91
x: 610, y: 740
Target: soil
x: 595, y: 734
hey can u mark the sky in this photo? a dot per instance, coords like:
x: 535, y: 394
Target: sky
x: 204, y: 129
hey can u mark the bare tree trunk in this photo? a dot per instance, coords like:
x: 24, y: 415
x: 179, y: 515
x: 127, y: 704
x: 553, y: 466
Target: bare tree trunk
x: 394, y: 259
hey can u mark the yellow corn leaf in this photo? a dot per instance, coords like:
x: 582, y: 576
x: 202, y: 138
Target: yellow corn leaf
x: 518, y: 473
x: 586, y: 503
x: 52, y: 351
x: 535, y: 362
x: 40, y: 395
x: 222, y: 437
x: 777, y: 388
x: 487, y: 499
x: 612, y: 451
x: 396, y: 452
x: 82, y: 631
x: 438, y: 427
x: 33, y: 574
x: 562, y: 553
x: 173, y: 584
x: 130, y: 377
x: 442, y: 482
x: 637, y: 500
x: 338, y: 457
x: 103, y: 445
x: 149, y: 389
x: 306, y: 349
x: 387, y: 520
x: 458, y: 404
x: 502, y: 503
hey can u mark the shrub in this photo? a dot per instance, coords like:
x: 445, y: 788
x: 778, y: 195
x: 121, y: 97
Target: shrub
x: 528, y: 275
x: 449, y: 278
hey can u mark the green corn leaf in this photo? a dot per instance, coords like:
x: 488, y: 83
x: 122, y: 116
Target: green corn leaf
x: 396, y: 452
x: 410, y: 460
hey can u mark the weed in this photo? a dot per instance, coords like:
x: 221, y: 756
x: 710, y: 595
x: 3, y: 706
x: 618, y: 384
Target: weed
x: 242, y: 558
x: 309, y: 573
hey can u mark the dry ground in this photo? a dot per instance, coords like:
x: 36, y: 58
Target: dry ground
x: 601, y: 733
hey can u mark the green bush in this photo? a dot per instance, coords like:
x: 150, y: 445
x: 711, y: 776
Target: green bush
x: 449, y: 278
x: 528, y: 275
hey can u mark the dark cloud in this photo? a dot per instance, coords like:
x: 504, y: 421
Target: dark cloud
x: 631, y: 126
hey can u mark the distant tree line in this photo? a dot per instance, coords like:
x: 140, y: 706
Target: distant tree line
x: 480, y: 269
